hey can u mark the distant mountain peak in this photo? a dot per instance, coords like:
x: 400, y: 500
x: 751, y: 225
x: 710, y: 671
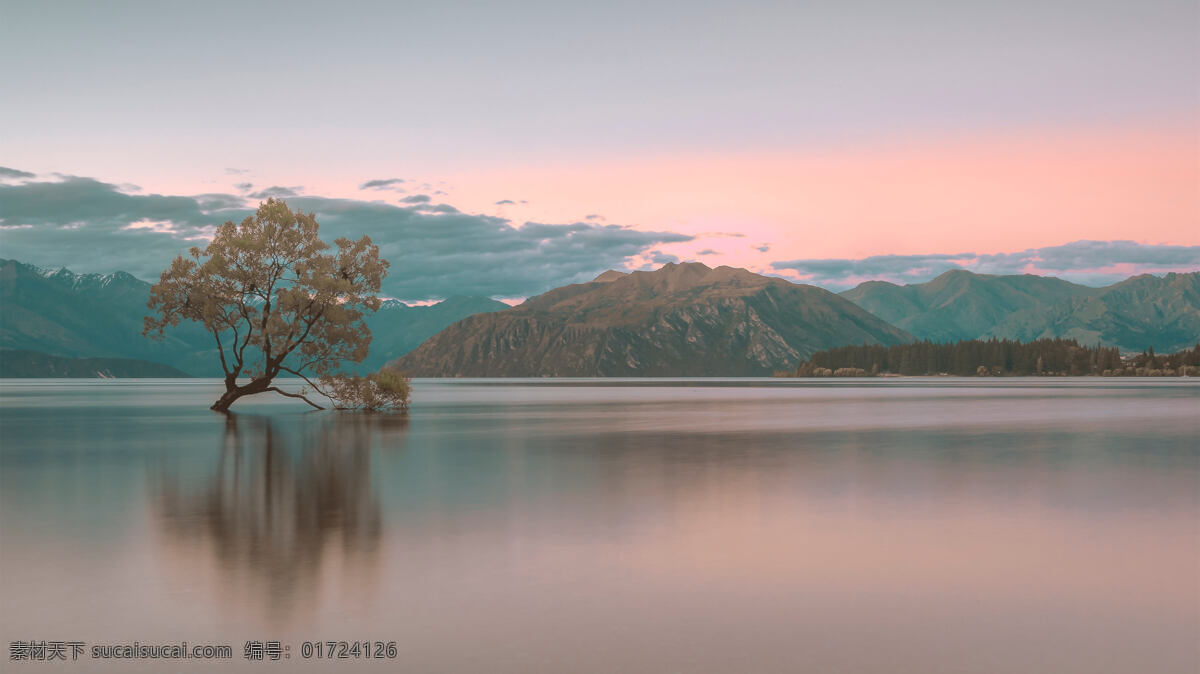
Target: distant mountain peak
x: 672, y: 266
x: 957, y: 272
x: 454, y: 301
x: 675, y: 271
x: 610, y: 276
x: 875, y: 283
x: 69, y: 278
x: 687, y: 276
x: 958, y: 275
x: 680, y: 270
x: 52, y: 272
x: 65, y: 278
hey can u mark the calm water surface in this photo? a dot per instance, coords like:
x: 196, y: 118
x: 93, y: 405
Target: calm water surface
x: 615, y: 526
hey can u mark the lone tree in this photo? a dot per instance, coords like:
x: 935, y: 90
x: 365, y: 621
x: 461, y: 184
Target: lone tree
x: 276, y: 302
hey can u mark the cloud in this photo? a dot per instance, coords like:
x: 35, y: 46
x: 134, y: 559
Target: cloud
x: 1096, y: 254
x: 384, y: 184
x: 762, y: 248
x: 244, y: 187
x: 435, y: 251
x: 85, y: 224
x: 594, y: 216
x: 1089, y: 262
x: 236, y: 171
x: 660, y: 258
x: 834, y: 270
x: 505, y: 202
x: 707, y: 251
x: 415, y: 199
x: 217, y: 202
x: 6, y: 172
x: 278, y: 192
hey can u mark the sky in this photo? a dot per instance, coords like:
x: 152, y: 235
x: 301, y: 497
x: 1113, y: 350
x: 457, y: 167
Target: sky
x: 507, y: 148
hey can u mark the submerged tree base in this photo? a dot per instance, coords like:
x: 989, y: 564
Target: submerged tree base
x: 386, y: 390
x: 233, y: 393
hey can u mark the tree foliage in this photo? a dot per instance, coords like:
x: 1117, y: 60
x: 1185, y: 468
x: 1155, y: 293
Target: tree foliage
x: 386, y: 389
x: 277, y: 299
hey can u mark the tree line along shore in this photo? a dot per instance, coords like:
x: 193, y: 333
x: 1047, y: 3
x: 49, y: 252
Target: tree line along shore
x: 995, y: 358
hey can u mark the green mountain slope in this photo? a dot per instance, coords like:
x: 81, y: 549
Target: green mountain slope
x: 959, y: 304
x: 85, y: 315
x: 1135, y: 314
x: 100, y: 316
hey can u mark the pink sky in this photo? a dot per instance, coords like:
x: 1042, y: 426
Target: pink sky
x: 978, y: 194
x: 826, y: 130
x: 1002, y: 192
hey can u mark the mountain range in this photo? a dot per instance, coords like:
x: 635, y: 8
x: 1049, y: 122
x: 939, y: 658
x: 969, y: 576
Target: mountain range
x: 680, y: 320
x: 1133, y: 315
x: 63, y: 314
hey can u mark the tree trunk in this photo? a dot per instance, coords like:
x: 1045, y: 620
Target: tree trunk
x: 233, y: 392
x: 226, y: 399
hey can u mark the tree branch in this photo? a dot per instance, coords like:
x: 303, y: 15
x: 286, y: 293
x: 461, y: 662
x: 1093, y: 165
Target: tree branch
x: 241, y: 352
x: 308, y: 328
x: 221, y: 352
x: 305, y: 378
x: 297, y: 318
x: 237, y: 369
x: 293, y: 395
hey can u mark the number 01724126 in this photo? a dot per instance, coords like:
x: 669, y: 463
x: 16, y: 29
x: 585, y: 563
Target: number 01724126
x: 344, y: 650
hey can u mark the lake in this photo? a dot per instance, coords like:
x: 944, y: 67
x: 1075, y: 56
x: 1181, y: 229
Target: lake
x: 899, y: 525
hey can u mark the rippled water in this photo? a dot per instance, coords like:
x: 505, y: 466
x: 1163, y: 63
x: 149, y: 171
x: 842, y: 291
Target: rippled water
x: 912, y: 525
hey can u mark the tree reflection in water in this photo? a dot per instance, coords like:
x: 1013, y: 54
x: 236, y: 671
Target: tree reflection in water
x: 286, y: 499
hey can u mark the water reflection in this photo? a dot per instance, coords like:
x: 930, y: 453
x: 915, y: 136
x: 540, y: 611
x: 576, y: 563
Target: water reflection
x: 516, y: 527
x: 286, y: 499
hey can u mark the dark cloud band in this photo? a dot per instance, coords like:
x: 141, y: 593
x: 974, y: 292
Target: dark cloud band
x: 277, y: 191
x: 383, y: 184
x: 435, y: 250
x: 1080, y: 261
x: 6, y: 172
